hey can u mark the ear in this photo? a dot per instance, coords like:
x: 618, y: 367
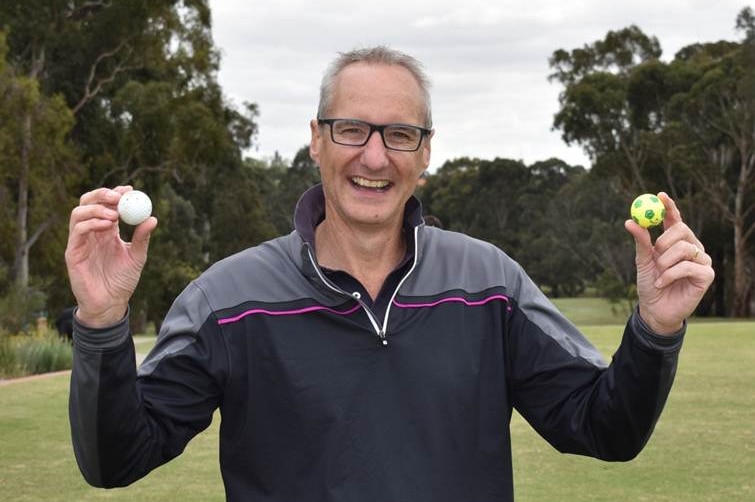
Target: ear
x: 315, y: 141
x: 426, y: 148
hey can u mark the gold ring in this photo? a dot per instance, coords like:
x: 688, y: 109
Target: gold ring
x: 697, y: 252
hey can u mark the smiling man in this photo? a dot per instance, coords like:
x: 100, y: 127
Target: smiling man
x: 369, y: 171
x: 365, y: 356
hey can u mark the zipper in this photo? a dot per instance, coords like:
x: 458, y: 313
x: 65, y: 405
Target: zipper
x: 401, y: 283
x: 379, y: 331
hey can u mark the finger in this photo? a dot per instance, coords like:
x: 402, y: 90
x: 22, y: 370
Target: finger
x: 78, y: 237
x: 643, y: 243
x: 106, y: 196
x: 699, y: 275
x: 679, y: 232
x: 673, y: 215
x: 91, y: 212
x: 123, y: 189
x: 680, y: 252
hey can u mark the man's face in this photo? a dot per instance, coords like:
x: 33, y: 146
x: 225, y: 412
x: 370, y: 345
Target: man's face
x: 369, y: 185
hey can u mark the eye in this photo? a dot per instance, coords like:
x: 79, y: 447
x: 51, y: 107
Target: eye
x: 402, y: 134
x: 350, y: 129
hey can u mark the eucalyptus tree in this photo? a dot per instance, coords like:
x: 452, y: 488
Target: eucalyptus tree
x: 139, y: 79
x: 719, y: 110
x: 595, y: 108
x: 685, y: 126
x: 34, y: 153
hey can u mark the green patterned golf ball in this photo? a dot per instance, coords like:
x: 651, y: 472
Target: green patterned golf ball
x: 647, y: 210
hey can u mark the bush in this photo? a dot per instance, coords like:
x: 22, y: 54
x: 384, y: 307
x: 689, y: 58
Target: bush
x: 8, y: 367
x: 44, y: 353
x: 32, y: 354
x: 621, y: 295
x: 19, y: 307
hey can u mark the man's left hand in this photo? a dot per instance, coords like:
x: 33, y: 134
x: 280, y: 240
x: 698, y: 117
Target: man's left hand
x: 672, y: 274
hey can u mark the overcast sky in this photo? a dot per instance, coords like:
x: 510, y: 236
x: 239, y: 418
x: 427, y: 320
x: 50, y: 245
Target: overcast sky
x: 488, y: 60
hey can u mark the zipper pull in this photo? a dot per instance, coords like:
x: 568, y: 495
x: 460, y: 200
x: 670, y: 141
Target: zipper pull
x: 382, y: 337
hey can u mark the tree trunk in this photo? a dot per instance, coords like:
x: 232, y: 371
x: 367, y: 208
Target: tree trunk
x: 742, y: 276
x: 742, y: 271
x: 21, y: 264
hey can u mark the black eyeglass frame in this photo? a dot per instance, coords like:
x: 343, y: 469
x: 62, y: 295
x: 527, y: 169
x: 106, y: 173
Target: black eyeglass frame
x: 424, y: 132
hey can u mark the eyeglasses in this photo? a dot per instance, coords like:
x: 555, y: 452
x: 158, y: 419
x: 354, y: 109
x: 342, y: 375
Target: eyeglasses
x: 353, y: 132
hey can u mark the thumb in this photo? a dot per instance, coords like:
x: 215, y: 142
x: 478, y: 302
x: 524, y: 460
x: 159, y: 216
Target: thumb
x: 140, y: 239
x: 643, y: 243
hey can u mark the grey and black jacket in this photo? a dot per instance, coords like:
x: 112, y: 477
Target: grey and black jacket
x: 321, y: 399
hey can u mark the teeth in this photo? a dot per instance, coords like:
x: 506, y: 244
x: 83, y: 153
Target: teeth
x: 363, y: 182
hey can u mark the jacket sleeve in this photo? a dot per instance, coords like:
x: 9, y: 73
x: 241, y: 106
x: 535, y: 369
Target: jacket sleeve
x: 580, y: 405
x: 125, y: 424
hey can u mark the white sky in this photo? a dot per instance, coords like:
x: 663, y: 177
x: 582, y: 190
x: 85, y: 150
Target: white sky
x: 488, y: 60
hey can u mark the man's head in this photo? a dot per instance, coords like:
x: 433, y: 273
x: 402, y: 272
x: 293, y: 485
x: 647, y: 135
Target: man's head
x: 372, y: 135
x: 374, y: 55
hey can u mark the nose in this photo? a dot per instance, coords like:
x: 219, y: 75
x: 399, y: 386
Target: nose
x: 374, y: 153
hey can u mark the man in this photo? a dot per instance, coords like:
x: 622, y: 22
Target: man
x: 365, y: 356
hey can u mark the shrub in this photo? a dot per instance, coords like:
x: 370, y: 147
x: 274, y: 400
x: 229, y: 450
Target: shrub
x: 8, y: 364
x: 32, y: 354
x: 19, y: 307
x: 43, y: 353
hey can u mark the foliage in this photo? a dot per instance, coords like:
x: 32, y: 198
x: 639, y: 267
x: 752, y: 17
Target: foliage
x: 545, y: 216
x: 109, y: 93
x: 44, y: 352
x: 621, y: 295
x: 19, y: 308
x: 281, y: 186
x: 39, y: 352
x: 137, y: 84
x: 34, y: 164
x: 8, y: 366
x: 685, y: 127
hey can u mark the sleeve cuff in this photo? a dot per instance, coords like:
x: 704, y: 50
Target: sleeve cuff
x: 101, y: 339
x: 652, y: 340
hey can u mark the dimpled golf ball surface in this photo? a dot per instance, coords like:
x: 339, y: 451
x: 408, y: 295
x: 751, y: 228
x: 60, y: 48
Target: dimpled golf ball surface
x: 134, y: 207
x: 647, y: 210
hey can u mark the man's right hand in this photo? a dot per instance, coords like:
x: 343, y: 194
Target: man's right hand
x: 103, y: 269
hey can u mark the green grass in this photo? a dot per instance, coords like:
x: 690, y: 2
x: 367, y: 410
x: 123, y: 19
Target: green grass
x: 703, y: 448
x: 37, y: 461
x: 592, y: 311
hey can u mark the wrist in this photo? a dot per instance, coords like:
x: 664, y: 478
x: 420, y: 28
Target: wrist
x: 659, y: 328
x: 101, y: 319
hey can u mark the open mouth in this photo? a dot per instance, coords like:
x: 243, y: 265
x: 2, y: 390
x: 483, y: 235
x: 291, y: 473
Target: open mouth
x: 370, y: 184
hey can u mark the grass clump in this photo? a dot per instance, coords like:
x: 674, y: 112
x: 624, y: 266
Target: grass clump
x: 32, y: 354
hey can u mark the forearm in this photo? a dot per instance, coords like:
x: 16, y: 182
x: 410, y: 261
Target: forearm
x: 582, y: 408
x: 634, y: 389
x: 109, y: 427
x: 615, y: 417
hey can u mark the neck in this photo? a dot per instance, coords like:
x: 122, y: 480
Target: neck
x: 368, y: 256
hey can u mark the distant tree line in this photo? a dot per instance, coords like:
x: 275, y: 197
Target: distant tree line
x: 102, y: 93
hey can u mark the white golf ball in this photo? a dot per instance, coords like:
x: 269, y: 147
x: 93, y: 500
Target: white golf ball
x: 134, y: 207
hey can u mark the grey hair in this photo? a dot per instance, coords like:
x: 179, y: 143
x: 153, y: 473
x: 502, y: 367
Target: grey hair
x: 374, y: 55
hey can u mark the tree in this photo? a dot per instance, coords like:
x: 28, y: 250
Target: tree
x: 139, y: 80
x: 685, y: 127
x: 595, y: 107
x: 483, y: 198
x: 720, y: 110
x: 34, y: 161
x: 555, y: 234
